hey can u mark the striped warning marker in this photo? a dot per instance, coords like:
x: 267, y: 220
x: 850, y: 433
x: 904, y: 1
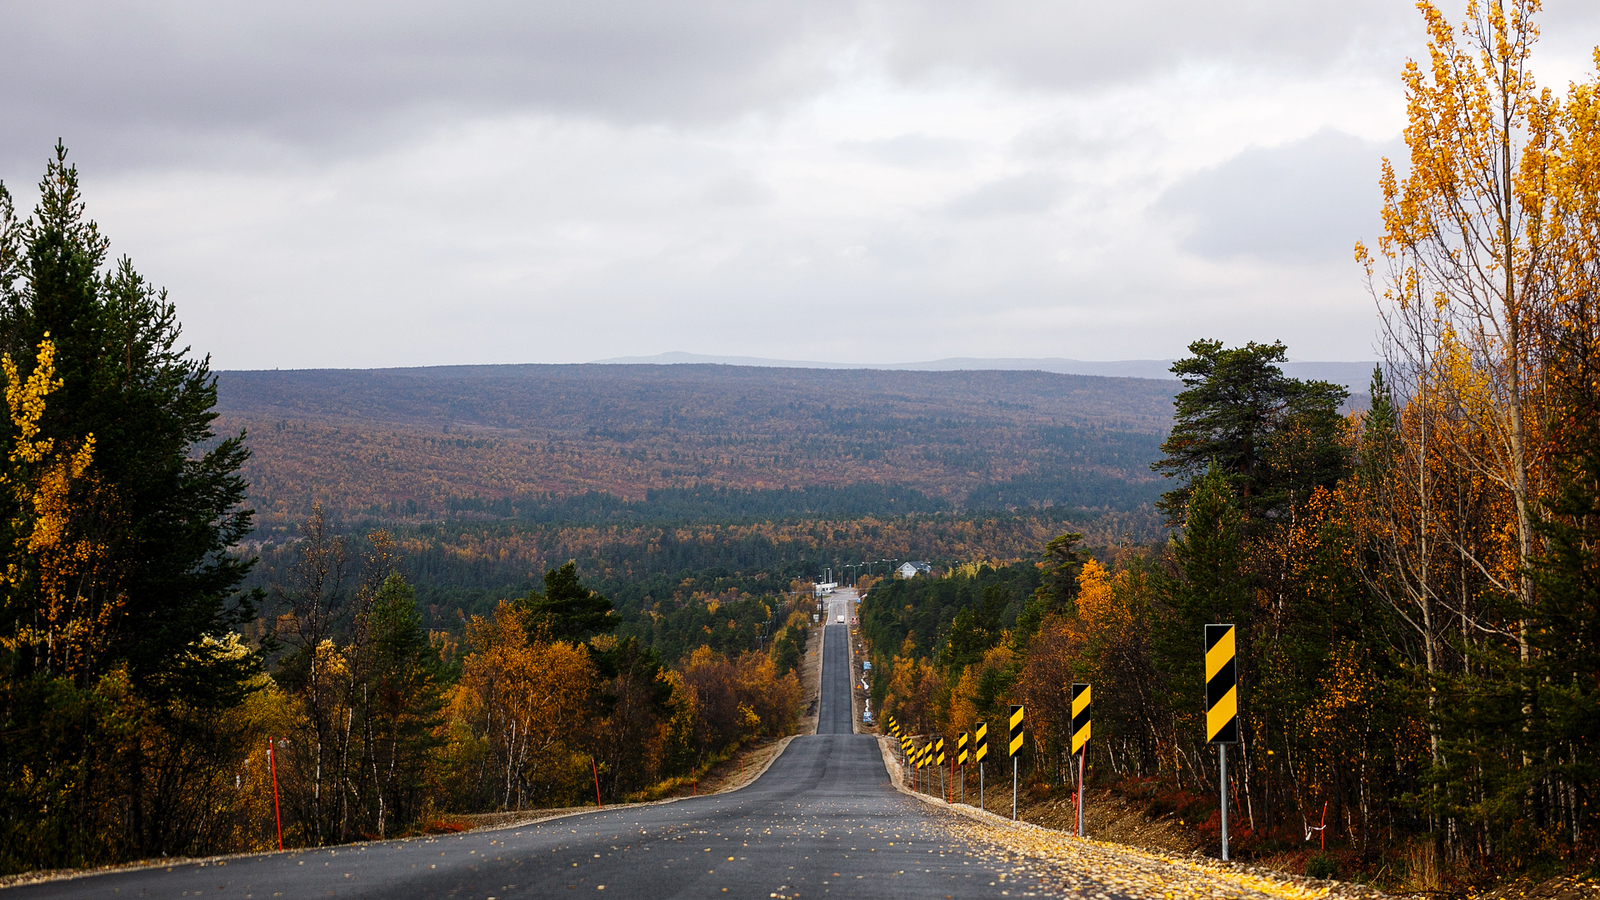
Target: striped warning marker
x: 1222, y: 686
x: 1081, y: 710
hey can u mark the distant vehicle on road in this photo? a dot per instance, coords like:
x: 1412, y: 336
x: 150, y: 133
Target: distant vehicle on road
x: 841, y: 620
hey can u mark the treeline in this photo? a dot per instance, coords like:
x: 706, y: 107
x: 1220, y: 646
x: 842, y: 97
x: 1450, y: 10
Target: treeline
x: 1417, y: 589
x: 380, y: 726
x: 159, y: 698
x: 601, y: 444
x: 1445, y: 749
x: 469, y: 566
x: 702, y: 504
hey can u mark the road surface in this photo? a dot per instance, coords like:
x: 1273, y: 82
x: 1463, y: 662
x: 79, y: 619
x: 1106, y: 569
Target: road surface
x: 823, y: 821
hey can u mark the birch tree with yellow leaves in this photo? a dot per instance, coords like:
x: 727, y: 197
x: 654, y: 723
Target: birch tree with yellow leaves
x: 1462, y: 272
x: 1483, y: 272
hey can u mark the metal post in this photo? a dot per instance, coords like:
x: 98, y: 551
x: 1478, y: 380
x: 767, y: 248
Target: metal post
x: 596, y: 768
x: 1081, y: 755
x: 963, y: 784
x: 277, y: 810
x: 1222, y: 754
x: 1013, y: 788
x: 980, y: 787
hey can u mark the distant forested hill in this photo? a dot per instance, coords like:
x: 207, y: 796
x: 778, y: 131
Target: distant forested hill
x: 641, y: 443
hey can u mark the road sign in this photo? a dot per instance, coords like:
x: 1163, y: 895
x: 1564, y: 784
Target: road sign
x: 961, y: 748
x: 1014, y: 748
x: 1082, y: 708
x: 1222, y: 686
x: 939, y: 750
x: 1222, y: 708
x: 1080, y: 716
x: 982, y: 742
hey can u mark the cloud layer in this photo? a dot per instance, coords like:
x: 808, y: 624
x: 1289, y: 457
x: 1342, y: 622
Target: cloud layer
x: 407, y: 184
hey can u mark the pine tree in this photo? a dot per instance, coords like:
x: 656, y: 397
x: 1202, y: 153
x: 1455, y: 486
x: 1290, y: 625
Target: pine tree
x: 115, y: 738
x: 1272, y: 438
x: 570, y: 611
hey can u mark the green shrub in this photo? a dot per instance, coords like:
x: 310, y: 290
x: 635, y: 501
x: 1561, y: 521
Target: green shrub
x: 1322, y: 865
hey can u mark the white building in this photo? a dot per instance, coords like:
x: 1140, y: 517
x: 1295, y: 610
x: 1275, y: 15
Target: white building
x: 913, y: 569
x: 825, y: 588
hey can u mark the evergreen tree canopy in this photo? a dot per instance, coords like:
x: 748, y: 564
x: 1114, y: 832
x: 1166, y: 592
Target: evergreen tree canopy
x: 120, y: 666
x: 570, y: 611
x: 1273, y: 438
x: 1565, y: 675
x: 163, y: 502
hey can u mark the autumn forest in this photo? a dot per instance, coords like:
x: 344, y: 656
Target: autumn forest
x: 323, y: 606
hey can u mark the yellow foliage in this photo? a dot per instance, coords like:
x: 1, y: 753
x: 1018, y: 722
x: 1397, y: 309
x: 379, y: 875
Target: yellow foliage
x: 52, y: 488
x: 520, y: 701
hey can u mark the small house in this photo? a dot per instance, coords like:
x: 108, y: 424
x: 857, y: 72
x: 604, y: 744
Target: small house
x: 913, y: 569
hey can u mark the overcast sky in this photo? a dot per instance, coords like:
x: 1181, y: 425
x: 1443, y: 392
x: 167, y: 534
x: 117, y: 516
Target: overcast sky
x: 393, y: 183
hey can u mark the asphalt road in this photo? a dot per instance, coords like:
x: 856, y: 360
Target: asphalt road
x: 823, y: 821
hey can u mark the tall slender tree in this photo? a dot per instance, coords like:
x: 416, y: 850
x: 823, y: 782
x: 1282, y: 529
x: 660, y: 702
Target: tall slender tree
x: 152, y: 504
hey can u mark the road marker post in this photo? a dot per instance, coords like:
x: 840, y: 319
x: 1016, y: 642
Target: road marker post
x: 961, y: 758
x: 596, y: 767
x: 1014, y: 747
x: 939, y: 761
x: 277, y: 810
x: 1082, y: 710
x: 982, y: 745
x: 1222, y: 707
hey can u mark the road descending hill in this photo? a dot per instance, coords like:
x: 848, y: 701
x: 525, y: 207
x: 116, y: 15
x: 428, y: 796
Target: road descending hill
x: 823, y: 821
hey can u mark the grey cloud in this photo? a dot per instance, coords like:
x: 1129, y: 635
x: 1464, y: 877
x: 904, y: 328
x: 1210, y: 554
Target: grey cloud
x: 148, y: 79
x: 137, y: 82
x: 1030, y: 192
x: 911, y: 151
x: 738, y: 190
x: 1054, y: 45
x: 1306, y: 201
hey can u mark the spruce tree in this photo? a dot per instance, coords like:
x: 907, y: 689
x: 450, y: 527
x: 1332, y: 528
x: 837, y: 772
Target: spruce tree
x: 568, y: 610
x: 151, y: 515
x: 1272, y: 438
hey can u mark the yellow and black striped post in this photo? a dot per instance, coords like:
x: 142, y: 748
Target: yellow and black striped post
x: 962, y: 741
x: 1014, y: 749
x: 1081, y: 698
x: 980, y: 750
x: 938, y: 753
x: 1222, y: 706
x: 1222, y: 686
x: 1082, y: 710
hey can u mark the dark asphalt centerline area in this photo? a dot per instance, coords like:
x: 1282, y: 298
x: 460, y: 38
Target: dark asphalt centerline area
x: 823, y: 821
